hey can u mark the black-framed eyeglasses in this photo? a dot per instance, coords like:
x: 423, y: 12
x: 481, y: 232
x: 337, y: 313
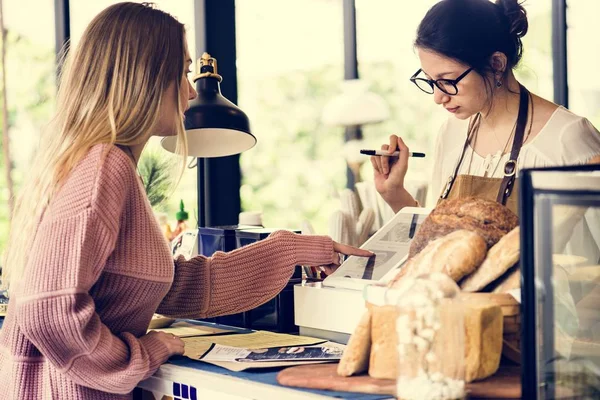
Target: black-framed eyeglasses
x: 447, y: 86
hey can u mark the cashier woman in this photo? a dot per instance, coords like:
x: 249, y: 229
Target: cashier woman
x: 87, y: 263
x: 468, y: 50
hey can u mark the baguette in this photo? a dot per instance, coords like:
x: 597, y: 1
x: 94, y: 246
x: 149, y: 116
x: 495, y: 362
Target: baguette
x: 356, y: 356
x: 501, y: 257
x: 509, y: 281
x: 456, y: 255
x: 383, y: 363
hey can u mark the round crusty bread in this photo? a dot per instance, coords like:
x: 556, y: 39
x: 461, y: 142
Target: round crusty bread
x: 489, y: 219
x: 499, y: 259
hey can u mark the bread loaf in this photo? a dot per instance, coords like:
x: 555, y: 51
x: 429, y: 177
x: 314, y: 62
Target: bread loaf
x: 456, y: 255
x: 483, y: 339
x: 383, y: 363
x: 487, y: 218
x: 356, y: 356
x: 498, y: 260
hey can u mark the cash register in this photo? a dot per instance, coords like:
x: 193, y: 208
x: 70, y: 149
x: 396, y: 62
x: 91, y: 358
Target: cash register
x: 331, y: 309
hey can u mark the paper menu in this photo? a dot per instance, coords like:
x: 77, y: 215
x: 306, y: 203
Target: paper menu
x: 327, y: 351
x: 185, y: 329
x: 390, y: 244
x: 196, y: 347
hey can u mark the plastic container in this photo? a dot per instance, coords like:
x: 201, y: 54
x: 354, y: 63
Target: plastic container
x: 418, y: 337
x: 431, y: 336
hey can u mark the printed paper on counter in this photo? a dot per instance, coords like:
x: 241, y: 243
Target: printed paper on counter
x: 196, y: 347
x: 328, y: 351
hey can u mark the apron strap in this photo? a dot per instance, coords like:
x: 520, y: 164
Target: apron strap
x: 510, y: 167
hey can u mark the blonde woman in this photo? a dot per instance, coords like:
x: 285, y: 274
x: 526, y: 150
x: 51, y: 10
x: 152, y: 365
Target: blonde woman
x: 87, y: 265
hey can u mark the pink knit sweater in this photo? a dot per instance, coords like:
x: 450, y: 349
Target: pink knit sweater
x: 99, y: 268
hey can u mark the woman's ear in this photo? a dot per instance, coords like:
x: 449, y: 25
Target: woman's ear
x: 498, y: 63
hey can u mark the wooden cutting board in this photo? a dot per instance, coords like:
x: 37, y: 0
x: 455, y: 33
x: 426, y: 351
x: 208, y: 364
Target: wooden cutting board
x: 505, y: 384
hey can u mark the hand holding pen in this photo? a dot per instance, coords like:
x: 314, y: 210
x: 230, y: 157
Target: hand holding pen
x: 390, y: 169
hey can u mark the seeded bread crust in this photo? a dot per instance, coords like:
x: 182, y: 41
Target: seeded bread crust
x: 487, y: 218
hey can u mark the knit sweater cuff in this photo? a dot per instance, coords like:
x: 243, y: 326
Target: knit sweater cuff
x: 158, y: 353
x: 314, y: 250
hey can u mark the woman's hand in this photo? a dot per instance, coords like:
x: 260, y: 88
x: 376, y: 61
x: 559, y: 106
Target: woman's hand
x: 343, y: 249
x: 390, y: 173
x: 174, y: 344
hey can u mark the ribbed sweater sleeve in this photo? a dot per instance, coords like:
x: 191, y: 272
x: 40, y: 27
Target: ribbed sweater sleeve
x: 54, y: 308
x: 240, y: 280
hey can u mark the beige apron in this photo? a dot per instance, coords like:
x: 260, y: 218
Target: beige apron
x: 485, y: 188
x: 502, y: 190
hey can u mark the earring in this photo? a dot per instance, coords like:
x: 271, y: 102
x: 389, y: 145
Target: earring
x: 498, y: 83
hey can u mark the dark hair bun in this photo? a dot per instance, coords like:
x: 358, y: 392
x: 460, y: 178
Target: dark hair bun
x: 470, y: 31
x: 516, y: 16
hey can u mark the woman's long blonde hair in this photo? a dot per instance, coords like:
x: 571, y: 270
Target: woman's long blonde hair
x: 111, y: 88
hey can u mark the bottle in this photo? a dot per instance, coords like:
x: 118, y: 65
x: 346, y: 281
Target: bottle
x: 430, y: 332
x: 182, y: 216
x: 163, y: 221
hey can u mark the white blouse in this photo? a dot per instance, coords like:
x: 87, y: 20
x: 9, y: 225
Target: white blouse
x: 566, y: 139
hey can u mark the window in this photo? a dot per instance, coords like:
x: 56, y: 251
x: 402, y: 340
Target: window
x: 31, y: 88
x: 82, y: 13
x: 386, y: 33
x: 583, y: 59
x: 535, y: 70
x: 290, y: 63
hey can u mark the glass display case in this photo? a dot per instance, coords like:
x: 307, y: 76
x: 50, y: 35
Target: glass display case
x: 560, y: 287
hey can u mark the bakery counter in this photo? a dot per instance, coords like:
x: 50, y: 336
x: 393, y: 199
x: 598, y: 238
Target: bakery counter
x: 188, y: 379
x: 182, y: 377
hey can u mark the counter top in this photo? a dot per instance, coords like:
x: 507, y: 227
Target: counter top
x: 206, y: 380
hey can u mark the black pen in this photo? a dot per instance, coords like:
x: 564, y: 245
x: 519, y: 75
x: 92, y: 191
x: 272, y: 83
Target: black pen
x: 394, y: 154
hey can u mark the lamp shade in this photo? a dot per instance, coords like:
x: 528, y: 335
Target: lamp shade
x: 355, y: 105
x: 215, y: 126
